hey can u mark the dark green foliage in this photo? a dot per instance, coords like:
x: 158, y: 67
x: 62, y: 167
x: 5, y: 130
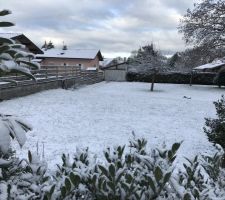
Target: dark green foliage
x: 220, y: 78
x: 215, y: 128
x: 46, y: 46
x: 13, y: 53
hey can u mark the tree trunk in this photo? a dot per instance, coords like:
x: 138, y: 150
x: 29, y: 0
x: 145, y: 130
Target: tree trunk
x: 191, y: 79
x: 153, y: 81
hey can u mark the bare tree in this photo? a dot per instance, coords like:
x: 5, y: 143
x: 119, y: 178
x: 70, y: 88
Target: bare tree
x: 147, y: 60
x: 205, y: 24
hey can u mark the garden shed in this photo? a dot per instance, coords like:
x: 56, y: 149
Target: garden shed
x: 216, y: 68
x: 116, y: 72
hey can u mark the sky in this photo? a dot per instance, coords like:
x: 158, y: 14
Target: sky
x: 116, y: 27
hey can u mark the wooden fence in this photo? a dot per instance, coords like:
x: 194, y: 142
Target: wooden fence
x: 48, y: 77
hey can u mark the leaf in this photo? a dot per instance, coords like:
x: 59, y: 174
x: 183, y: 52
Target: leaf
x: 6, y: 24
x: 170, y: 155
x: 129, y: 178
x: 38, y: 170
x: 31, y: 64
x: 166, y: 177
x: 51, y: 191
x: 29, y: 156
x: 25, y: 72
x: 151, y: 183
x: 5, y: 12
x: 75, y: 179
x: 104, y: 170
x: 67, y: 184
x: 158, y: 174
x: 111, y: 185
x: 4, y: 48
x: 6, y: 40
x: 112, y: 170
x: 45, y: 179
x: 175, y: 147
x: 187, y: 196
x: 63, y: 191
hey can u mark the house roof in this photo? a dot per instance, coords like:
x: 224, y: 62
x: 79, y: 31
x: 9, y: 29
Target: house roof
x: 71, y: 53
x: 23, y: 40
x: 213, y: 65
x: 106, y: 62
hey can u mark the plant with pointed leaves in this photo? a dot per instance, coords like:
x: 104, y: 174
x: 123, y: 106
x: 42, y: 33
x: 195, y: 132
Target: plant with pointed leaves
x: 13, y: 58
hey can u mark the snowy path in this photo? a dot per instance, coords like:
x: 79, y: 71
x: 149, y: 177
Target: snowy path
x: 105, y: 114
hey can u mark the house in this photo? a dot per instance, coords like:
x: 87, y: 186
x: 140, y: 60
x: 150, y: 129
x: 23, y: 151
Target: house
x: 85, y: 58
x: 22, y: 39
x: 215, y: 66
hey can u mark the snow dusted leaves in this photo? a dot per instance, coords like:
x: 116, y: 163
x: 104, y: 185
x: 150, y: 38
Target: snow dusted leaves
x: 13, y: 58
x: 14, y: 128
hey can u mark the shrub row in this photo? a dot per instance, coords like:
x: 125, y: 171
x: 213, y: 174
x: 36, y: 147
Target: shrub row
x: 173, y: 77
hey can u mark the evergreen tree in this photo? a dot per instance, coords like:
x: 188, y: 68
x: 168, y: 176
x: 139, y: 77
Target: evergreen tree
x: 44, y: 46
x: 50, y: 45
x: 64, y: 47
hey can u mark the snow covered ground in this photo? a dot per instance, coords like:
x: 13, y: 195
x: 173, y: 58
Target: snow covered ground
x: 105, y: 114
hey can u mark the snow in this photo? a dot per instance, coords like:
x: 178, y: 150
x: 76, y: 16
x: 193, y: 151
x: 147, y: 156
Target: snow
x: 212, y: 65
x: 105, y: 114
x: 91, y: 69
x: 70, y: 53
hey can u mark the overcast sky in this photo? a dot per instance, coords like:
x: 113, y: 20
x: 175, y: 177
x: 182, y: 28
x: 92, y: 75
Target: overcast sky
x: 115, y: 26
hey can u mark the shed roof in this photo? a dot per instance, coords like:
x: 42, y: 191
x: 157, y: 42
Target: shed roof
x: 71, y: 53
x: 213, y: 65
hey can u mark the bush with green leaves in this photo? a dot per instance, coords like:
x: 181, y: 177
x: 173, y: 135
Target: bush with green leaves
x: 125, y: 173
x: 138, y: 174
x: 13, y: 57
x: 215, y: 128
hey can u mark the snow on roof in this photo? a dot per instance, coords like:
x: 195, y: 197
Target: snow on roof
x: 9, y: 35
x: 69, y: 53
x: 36, y: 60
x: 106, y: 61
x: 91, y: 68
x: 212, y: 65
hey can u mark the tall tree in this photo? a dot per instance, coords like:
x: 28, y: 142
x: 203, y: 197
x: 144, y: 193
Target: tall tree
x: 147, y: 60
x: 205, y: 24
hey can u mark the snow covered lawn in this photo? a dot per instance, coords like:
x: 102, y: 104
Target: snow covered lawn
x: 105, y: 114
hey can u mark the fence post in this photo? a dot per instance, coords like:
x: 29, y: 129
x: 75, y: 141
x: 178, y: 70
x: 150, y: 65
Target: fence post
x: 46, y: 72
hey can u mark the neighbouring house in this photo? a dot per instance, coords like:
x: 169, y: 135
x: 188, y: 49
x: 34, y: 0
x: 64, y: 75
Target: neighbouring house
x: 22, y: 39
x: 215, y: 66
x: 85, y: 58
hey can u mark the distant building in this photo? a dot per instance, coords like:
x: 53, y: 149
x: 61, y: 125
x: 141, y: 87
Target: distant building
x: 22, y: 39
x: 85, y: 58
x: 114, y: 70
x: 215, y: 66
